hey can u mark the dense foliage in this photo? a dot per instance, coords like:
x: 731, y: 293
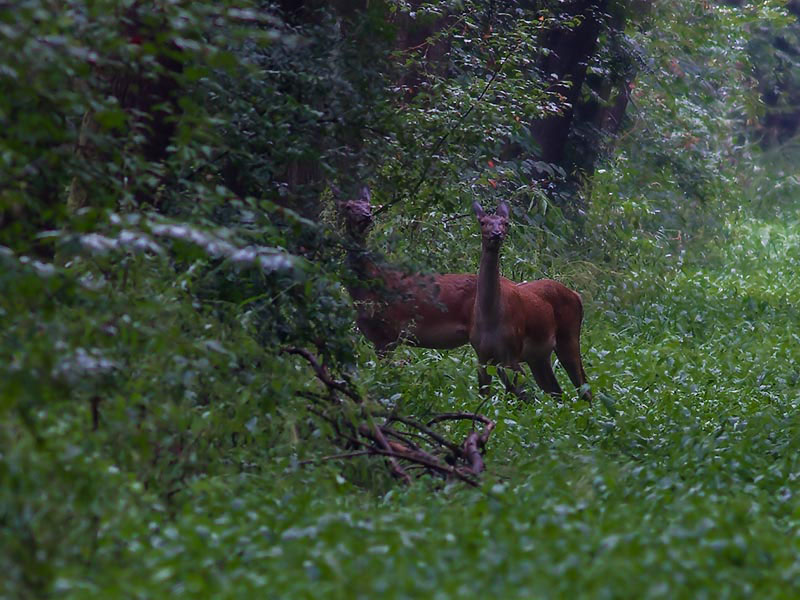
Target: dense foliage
x: 167, y: 228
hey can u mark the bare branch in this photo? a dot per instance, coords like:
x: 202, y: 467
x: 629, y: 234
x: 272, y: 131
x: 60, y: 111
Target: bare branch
x: 322, y: 373
x: 447, y: 134
x: 456, y: 416
x: 472, y: 453
x: 336, y: 456
x: 369, y: 439
x: 487, y: 430
x: 454, y: 448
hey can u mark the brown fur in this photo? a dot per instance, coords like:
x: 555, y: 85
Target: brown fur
x: 431, y: 311
x: 522, y: 323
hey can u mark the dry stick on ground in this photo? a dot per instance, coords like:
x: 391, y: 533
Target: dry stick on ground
x: 473, y: 454
x: 397, y: 470
x: 396, y: 444
x: 335, y: 457
x: 385, y: 450
x: 475, y: 441
x: 439, y: 439
x: 419, y: 458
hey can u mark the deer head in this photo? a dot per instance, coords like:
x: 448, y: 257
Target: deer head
x: 357, y: 214
x: 494, y: 228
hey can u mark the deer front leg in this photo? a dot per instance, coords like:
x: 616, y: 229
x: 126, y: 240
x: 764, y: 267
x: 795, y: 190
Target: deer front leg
x: 484, y: 381
x: 513, y: 383
x: 382, y: 335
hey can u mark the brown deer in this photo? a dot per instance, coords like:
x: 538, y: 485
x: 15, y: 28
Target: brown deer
x: 515, y: 323
x: 430, y: 311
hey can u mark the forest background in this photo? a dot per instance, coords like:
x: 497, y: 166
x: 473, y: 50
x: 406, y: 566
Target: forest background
x: 185, y: 402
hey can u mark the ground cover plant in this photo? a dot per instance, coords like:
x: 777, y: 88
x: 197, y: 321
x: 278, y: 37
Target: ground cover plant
x: 678, y: 481
x: 186, y: 405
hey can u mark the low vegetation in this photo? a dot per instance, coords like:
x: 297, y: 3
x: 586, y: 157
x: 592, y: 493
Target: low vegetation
x: 187, y: 407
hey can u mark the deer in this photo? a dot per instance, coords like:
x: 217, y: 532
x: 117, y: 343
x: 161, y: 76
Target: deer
x: 515, y: 323
x: 428, y: 311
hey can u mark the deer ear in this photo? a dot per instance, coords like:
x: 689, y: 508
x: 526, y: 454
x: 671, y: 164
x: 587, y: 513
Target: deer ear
x: 476, y: 206
x: 366, y: 195
x: 502, y: 210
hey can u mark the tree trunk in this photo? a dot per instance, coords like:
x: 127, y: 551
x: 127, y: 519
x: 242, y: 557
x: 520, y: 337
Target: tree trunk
x: 151, y: 105
x: 567, y: 56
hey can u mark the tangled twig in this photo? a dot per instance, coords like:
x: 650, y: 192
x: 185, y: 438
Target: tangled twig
x: 322, y: 373
x: 412, y: 444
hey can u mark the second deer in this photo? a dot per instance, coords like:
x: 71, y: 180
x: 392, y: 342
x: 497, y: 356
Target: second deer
x: 522, y: 323
x: 430, y: 311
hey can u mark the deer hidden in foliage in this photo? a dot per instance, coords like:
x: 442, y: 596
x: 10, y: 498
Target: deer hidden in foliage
x: 430, y: 311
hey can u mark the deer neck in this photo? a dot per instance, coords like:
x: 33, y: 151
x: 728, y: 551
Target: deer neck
x: 362, y: 264
x: 488, y: 296
x: 358, y: 257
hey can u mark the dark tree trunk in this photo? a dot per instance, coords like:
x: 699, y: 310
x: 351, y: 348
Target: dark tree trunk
x: 150, y: 102
x: 306, y: 177
x: 567, y: 56
x: 415, y: 35
x: 781, y: 120
x: 600, y: 109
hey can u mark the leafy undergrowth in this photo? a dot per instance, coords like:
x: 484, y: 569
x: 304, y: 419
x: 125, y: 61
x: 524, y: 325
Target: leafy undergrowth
x: 679, y: 481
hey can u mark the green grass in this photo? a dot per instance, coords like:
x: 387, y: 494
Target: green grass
x: 679, y: 481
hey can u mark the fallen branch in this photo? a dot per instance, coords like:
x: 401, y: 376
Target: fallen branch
x: 472, y: 453
x: 396, y: 469
x: 411, y: 445
x: 335, y: 457
x: 487, y: 430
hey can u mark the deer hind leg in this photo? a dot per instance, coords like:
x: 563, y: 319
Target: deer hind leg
x: 513, y: 384
x: 568, y: 351
x: 543, y: 374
